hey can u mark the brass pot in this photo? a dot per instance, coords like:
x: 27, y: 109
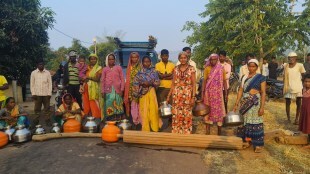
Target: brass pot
x: 200, y: 109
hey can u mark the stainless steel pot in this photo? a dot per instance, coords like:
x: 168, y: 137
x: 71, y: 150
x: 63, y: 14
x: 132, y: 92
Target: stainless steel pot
x: 55, y: 128
x: 9, y: 131
x: 124, y: 125
x: 233, y: 119
x: 90, y: 126
x: 165, y: 109
x: 21, y: 134
x: 39, y: 130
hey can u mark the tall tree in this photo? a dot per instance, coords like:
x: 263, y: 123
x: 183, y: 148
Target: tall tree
x: 77, y: 46
x: 23, y: 37
x: 262, y: 27
x: 104, y: 48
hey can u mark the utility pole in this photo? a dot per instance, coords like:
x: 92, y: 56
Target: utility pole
x: 292, y: 6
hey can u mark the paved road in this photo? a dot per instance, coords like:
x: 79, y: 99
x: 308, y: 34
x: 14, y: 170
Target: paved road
x: 90, y: 155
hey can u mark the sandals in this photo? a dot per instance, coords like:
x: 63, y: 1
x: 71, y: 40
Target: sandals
x: 296, y: 122
x: 258, y: 149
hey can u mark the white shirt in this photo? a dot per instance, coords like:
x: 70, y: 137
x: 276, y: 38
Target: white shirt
x: 265, y: 70
x: 295, y: 78
x: 41, y: 83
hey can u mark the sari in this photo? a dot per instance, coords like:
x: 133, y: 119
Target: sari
x: 92, y: 101
x: 64, y: 107
x: 253, y: 123
x: 148, y: 106
x: 20, y: 120
x: 213, y: 96
x: 112, y: 85
x: 132, y: 103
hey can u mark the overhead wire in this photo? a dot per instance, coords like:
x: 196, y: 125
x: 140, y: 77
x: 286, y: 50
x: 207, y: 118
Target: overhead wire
x: 71, y: 36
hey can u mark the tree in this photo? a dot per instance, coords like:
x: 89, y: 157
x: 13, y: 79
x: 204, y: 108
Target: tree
x: 262, y: 27
x: 77, y: 46
x: 23, y: 37
x: 104, y: 48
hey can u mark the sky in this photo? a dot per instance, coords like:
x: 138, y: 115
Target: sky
x: 135, y: 19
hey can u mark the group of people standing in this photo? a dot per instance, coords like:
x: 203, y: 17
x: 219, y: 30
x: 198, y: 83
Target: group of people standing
x: 108, y: 95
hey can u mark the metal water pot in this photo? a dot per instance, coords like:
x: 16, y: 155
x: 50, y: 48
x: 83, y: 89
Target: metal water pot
x: 39, y: 130
x: 124, y: 125
x: 9, y: 131
x: 200, y: 109
x: 90, y: 126
x: 55, y: 128
x: 233, y: 119
x: 165, y: 109
x: 21, y: 134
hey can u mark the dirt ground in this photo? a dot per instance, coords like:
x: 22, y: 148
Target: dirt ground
x: 94, y: 156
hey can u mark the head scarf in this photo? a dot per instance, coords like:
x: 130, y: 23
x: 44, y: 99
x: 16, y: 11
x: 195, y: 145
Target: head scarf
x: 93, y: 87
x: 127, y: 84
x: 63, y: 99
x: 107, y: 59
x: 253, y: 61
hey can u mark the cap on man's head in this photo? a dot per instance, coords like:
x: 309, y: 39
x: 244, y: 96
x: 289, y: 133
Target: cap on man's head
x: 72, y: 53
x: 292, y: 54
x: 164, y: 51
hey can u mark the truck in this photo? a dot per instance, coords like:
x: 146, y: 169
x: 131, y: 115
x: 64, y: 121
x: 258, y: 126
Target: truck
x: 124, y: 48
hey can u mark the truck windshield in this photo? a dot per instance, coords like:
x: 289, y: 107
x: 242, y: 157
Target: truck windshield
x: 123, y: 57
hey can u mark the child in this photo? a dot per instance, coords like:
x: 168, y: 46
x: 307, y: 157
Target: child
x: 304, y: 123
x: 68, y: 109
x: 12, y: 114
x: 82, y: 67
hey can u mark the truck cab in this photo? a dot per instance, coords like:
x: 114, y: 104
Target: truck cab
x: 143, y: 48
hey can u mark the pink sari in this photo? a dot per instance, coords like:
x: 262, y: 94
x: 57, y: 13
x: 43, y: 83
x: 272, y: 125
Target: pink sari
x: 214, y: 94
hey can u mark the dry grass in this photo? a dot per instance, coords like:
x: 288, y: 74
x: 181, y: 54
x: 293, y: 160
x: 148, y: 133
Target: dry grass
x: 276, y: 158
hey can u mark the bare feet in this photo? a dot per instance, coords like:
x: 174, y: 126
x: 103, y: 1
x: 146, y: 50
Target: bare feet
x: 258, y: 149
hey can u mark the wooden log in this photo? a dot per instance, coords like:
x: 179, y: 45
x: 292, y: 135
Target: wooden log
x: 49, y: 136
x: 192, y: 140
x: 271, y: 135
x: 294, y: 140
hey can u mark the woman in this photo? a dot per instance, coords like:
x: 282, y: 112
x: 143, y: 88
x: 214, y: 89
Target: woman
x: 183, y: 95
x: 304, y: 122
x: 212, y: 92
x: 12, y: 114
x: 131, y: 103
x: 252, y: 93
x: 144, y: 86
x: 91, y: 93
x: 112, y: 88
x: 68, y: 109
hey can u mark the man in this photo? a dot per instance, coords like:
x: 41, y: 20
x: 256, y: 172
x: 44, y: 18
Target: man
x: 265, y: 71
x: 192, y: 63
x: 41, y: 91
x: 71, y: 78
x: 227, y: 68
x: 272, y: 67
x: 244, y: 69
x: 165, y: 73
x: 293, y: 73
x: 307, y: 64
x: 3, y: 86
